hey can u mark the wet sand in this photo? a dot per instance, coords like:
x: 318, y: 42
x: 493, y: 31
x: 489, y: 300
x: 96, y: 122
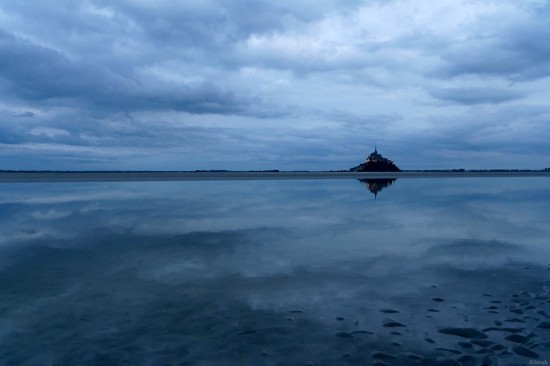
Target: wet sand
x: 91, y: 176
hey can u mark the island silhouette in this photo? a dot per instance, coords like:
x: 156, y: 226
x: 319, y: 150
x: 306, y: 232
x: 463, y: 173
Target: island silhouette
x: 375, y: 162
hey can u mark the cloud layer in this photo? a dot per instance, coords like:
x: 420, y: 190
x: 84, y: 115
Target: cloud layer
x: 273, y: 85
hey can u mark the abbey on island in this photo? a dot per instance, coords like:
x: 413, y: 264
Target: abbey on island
x: 375, y: 162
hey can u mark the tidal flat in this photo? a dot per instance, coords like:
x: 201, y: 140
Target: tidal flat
x: 276, y: 272
x: 167, y: 176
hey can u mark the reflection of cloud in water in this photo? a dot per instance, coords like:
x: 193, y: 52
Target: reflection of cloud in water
x: 50, y: 214
x: 146, y: 306
x: 468, y: 253
x: 269, y: 290
x: 473, y: 248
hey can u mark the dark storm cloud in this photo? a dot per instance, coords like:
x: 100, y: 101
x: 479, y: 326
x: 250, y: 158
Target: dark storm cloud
x: 213, y: 25
x: 25, y: 114
x: 470, y: 96
x: 515, y: 49
x: 36, y: 73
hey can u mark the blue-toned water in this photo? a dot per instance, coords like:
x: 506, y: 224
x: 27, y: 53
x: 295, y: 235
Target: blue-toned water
x: 441, y: 271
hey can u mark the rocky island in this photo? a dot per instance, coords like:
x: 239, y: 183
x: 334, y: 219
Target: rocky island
x: 376, y: 163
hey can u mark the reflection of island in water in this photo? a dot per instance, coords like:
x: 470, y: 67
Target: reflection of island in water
x: 376, y: 185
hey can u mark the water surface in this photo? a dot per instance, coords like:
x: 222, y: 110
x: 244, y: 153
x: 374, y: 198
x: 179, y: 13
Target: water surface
x: 276, y: 272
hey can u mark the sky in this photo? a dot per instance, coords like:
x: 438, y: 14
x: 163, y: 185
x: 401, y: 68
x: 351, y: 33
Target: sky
x: 274, y: 84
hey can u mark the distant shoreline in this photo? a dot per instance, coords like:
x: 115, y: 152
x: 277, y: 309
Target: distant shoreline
x: 129, y: 176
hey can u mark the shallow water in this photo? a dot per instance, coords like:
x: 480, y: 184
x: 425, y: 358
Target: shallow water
x: 445, y: 271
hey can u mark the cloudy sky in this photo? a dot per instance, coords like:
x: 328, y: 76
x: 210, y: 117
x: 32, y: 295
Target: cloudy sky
x: 274, y: 84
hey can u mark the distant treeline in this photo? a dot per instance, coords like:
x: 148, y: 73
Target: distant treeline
x: 236, y: 171
x: 478, y: 170
x: 141, y: 171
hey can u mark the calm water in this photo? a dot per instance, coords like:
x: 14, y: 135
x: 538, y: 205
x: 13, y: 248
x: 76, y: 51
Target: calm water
x: 276, y: 272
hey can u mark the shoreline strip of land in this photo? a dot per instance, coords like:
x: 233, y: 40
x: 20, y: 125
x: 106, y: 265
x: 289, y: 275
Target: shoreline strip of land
x: 129, y: 176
